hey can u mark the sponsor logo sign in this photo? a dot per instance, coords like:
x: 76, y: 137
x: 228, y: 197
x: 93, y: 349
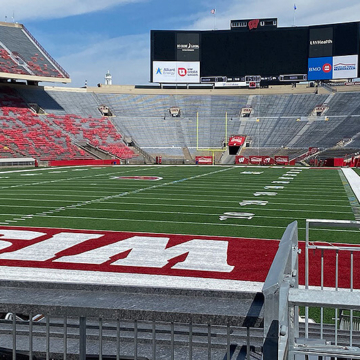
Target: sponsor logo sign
x: 320, y: 68
x: 345, y: 67
x: 267, y: 160
x: 187, y: 46
x: 176, y: 71
x: 90, y: 256
x: 320, y: 42
x: 204, y: 160
x: 281, y: 160
x: 236, y: 140
x: 255, y: 159
x: 241, y: 159
x: 182, y: 71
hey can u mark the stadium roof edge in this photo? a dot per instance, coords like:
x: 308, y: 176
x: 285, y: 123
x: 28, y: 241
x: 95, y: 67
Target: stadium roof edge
x: 131, y: 89
x: 278, y: 27
x: 11, y: 76
x: 2, y: 23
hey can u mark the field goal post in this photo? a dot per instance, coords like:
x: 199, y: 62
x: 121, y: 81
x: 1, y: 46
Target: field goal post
x: 212, y: 150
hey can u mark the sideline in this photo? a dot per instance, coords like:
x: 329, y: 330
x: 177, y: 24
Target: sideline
x: 354, y: 181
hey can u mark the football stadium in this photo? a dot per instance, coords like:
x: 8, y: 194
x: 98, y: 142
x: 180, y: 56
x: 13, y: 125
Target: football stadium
x: 210, y: 214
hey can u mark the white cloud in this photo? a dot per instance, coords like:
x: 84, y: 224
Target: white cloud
x: 23, y: 10
x: 127, y: 58
x: 308, y: 12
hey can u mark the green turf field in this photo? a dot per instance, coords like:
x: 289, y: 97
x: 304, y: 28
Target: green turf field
x: 188, y: 200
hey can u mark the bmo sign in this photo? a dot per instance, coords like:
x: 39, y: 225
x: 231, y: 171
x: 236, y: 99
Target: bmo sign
x: 320, y: 68
x: 337, y: 67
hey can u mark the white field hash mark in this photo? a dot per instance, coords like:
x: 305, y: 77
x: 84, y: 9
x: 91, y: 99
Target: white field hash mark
x: 236, y: 215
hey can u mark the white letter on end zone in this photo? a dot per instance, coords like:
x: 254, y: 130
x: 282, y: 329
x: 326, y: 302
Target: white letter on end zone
x: 47, y: 249
x: 145, y: 251
x: 17, y: 235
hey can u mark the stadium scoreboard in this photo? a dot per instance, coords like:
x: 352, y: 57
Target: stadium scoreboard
x: 256, y: 50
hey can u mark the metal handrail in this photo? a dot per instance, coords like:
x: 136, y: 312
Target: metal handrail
x: 283, y: 275
x: 46, y: 53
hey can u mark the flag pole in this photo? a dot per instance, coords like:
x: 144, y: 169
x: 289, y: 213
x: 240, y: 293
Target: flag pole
x: 213, y: 11
x: 294, y: 15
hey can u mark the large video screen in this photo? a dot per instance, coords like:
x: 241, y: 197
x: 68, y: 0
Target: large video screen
x: 266, y: 53
x: 272, y: 54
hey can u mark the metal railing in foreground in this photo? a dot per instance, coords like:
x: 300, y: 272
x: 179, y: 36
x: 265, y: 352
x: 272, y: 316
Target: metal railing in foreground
x: 98, y: 321
x: 324, y: 338
x: 278, y: 317
x: 86, y: 321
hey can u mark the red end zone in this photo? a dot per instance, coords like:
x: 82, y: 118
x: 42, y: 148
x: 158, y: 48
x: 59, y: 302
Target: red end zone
x: 139, y: 259
x: 161, y: 259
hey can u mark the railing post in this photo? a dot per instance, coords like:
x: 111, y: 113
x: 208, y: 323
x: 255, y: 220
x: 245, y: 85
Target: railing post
x: 82, y: 338
x: 282, y: 275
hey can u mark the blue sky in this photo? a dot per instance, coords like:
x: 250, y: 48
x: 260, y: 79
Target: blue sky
x: 89, y: 37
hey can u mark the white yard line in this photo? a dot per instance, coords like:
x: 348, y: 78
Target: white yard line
x: 126, y: 220
x: 109, y: 197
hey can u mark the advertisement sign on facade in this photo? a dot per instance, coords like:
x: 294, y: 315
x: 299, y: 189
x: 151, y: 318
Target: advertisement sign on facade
x: 281, y: 160
x: 337, y: 67
x: 255, y: 160
x: 187, y: 46
x: 241, y: 160
x: 203, y: 160
x: 345, y: 67
x: 176, y: 72
x: 321, y: 42
x: 320, y: 68
x: 236, y: 140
